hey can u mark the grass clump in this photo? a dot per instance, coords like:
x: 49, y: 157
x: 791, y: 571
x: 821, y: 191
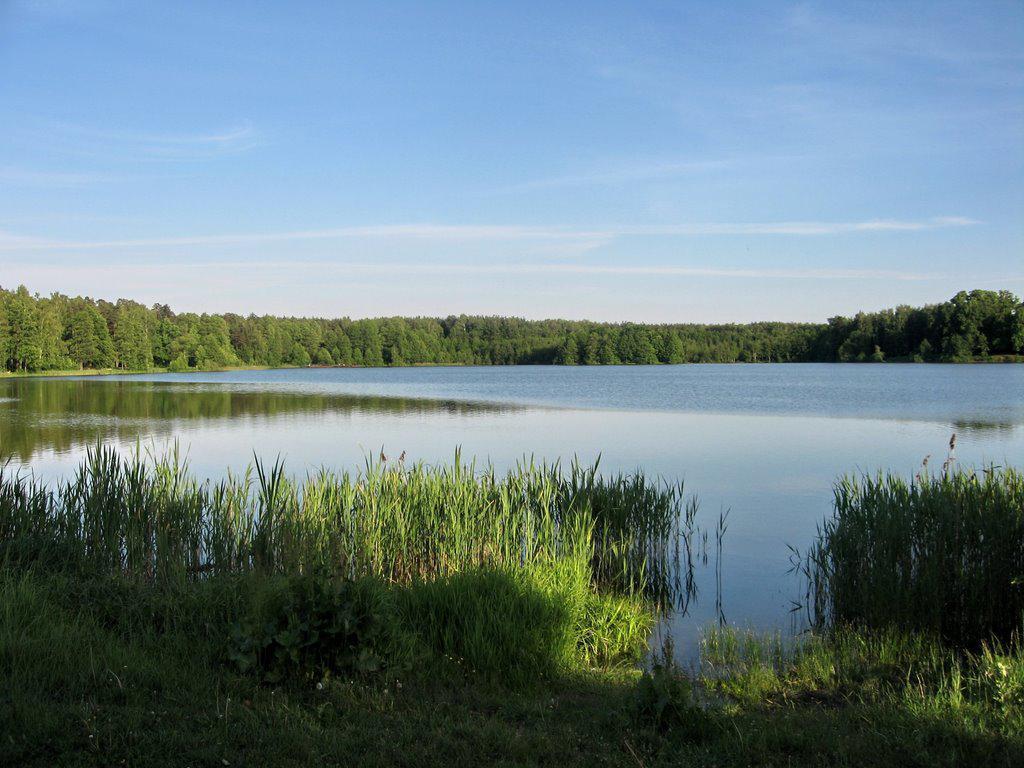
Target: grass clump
x: 517, y: 579
x: 521, y: 626
x: 905, y: 672
x: 940, y: 554
x: 151, y: 521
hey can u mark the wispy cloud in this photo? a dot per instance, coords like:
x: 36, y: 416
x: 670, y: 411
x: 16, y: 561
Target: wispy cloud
x: 130, y: 144
x: 619, y: 270
x: 52, y: 179
x: 495, y: 233
x: 624, y: 173
x: 293, y: 271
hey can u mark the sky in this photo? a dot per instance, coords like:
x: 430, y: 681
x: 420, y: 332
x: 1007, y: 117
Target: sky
x: 672, y: 162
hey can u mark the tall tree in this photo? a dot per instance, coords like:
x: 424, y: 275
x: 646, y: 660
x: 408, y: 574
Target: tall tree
x: 53, y: 353
x: 24, y: 352
x: 132, y: 346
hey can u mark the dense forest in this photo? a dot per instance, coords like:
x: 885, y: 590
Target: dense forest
x: 58, y: 332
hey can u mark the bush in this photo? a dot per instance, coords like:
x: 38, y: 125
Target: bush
x: 312, y: 629
x: 664, y: 701
x: 178, y: 364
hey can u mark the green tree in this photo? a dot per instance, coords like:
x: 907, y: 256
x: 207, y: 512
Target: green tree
x: 24, y: 352
x: 635, y: 345
x: 299, y: 356
x: 53, y: 351
x: 178, y: 364
x: 132, y: 346
x: 568, y: 352
x: 671, y: 351
x: 104, y: 344
x: 4, y: 337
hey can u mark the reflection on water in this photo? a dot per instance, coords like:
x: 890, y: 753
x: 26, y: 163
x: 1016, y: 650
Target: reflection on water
x: 62, y: 415
x: 996, y: 427
x: 764, y: 443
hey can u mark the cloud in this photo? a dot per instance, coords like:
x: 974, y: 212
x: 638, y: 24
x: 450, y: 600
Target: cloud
x: 587, y: 238
x: 622, y: 174
x: 12, y: 242
x: 51, y: 179
x: 88, y: 141
x: 634, y: 270
x: 292, y: 271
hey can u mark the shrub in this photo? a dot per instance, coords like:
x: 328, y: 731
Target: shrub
x: 664, y: 700
x: 178, y: 364
x: 312, y: 629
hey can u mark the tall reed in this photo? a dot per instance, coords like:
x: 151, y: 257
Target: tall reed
x: 941, y: 553
x: 149, y: 519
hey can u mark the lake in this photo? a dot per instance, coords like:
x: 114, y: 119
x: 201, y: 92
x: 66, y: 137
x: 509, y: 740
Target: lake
x: 763, y: 442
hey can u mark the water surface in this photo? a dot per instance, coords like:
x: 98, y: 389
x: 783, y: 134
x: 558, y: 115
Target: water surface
x: 764, y: 442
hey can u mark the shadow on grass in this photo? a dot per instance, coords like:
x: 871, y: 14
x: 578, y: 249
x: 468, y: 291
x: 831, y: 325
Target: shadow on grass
x: 87, y: 679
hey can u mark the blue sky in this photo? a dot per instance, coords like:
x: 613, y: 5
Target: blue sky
x: 622, y: 161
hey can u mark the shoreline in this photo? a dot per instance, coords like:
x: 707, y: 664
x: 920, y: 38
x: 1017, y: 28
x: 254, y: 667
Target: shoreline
x: 89, y: 372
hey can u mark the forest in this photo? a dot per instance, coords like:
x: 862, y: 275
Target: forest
x: 61, y: 333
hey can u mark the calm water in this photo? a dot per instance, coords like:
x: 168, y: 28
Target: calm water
x: 764, y: 442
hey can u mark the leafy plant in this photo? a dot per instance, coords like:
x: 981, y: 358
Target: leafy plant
x: 316, y: 628
x: 665, y: 700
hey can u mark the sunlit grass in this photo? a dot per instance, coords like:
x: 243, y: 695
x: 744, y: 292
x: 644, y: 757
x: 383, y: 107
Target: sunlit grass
x: 150, y: 520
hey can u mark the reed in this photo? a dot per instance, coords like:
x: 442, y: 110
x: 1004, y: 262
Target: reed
x: 941, y: 554
x: 148, y: 519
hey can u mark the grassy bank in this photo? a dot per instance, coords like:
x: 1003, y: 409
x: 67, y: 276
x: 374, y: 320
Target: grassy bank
x: 449, y: 616
x: 97, y: 672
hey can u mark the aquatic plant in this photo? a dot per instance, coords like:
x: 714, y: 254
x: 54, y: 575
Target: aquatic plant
x: 942, y: 553
x: 148, y: 519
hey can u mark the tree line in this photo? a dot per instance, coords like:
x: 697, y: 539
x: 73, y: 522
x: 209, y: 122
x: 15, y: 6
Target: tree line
x: 59, y: 333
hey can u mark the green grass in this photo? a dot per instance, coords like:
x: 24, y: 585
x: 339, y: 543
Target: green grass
x: 942, y: 554
x: 905, y: 675
x: 446, y: 616
x: 101, y: 671
x: 151, y: 521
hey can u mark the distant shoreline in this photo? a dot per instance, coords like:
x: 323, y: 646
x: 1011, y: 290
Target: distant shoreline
x: 75, y: 334
x: 100, y: 373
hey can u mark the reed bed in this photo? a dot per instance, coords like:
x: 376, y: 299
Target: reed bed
x: 148, y: 519
x: 941, y: 554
